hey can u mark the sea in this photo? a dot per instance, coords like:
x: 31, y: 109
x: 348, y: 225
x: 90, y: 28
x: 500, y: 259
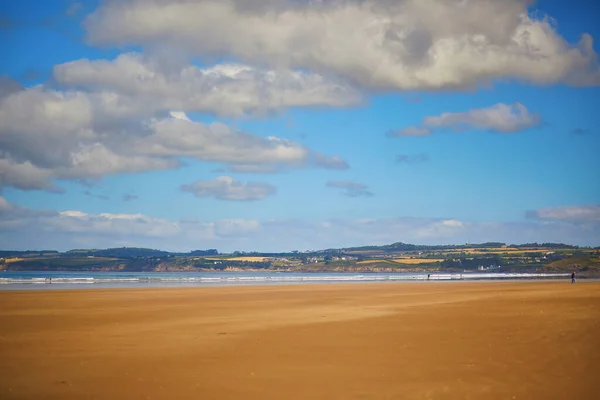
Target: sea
x: 16, y: 280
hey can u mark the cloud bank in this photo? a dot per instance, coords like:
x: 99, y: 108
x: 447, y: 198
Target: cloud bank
x: 587, y: 213
x: 143, y: 83
x: 49, y: 134
x: 376, y: 44
x: 19, y: 227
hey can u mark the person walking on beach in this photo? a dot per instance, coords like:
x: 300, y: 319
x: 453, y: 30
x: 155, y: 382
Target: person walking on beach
x: 573, y: 276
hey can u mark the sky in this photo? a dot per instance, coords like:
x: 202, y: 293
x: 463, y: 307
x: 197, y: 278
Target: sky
x: 278, y: 125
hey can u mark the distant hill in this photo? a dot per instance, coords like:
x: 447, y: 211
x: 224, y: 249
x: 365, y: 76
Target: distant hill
x: 11, y: 253
x: 544, y: 246
x: 122, y: 252
x: 209, y: 252
x: 135, y: 252
x: 578, y: 263
x: 399, y: 246
x: 489, y: 256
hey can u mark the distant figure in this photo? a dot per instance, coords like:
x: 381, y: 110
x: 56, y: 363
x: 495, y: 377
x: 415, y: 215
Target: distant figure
x: 428, y: 276
x: 573, y: 277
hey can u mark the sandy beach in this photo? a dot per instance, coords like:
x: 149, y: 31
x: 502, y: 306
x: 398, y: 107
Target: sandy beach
x: 482, y: 340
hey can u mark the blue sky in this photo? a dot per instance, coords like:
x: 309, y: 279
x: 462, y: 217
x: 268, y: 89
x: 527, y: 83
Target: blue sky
x: 298, y: 125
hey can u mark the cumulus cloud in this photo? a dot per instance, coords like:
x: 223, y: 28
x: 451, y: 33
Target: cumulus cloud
x: 351, y: 188
x: 147, y: 83
x: 20, y: 226
x: 585, y: 213
x: 25, y: 176
x: 8, y: 86
x: 502, y: 118
x: 376, y: 44
x: 221, y: 143
x: 227, y: 188
x: 4, y: 205
x: 48, y: 134
x: 329, y: 162
x: 249, y: 168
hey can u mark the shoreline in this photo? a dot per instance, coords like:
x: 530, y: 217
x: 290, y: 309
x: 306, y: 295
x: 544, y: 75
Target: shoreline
x: 66, y: 287
x: 83, y: 280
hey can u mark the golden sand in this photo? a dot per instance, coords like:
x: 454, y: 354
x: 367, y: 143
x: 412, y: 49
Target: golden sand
x: 424, y: 340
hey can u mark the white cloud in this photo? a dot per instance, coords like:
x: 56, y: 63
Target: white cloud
x: 25, y: 176
x: 252, y: 168
x: 8, y: 86
x: 440, y: 229
x: 134, y: 225
x: 180, y: 115
x: 227, y: 188
x: 4, y: 205
x: 47, y: 134
x: 236, y: 227
x: 377, y: 44
x: 218, y: 142
x: 351, y: 188
x: 73, y: 213
x: 452, y: 223
x: 328, y: 162
x: 500, y: 117
x: 587, y: 213
x: 141, y: 82
x: 20, y: 227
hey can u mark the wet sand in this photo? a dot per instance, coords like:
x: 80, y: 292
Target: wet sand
x: 482, y: 340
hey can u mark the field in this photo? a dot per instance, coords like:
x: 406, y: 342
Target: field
x: 511, y: 251
x: 246, y: 259
x: 12, y: 260
x: 412, y: 261
x: 407, y: 261
x: 63, y: 263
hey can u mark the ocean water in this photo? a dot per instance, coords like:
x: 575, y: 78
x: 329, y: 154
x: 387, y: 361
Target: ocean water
x: 14, y: 280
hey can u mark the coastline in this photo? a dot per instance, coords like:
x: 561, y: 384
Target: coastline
x: 496, y: 340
